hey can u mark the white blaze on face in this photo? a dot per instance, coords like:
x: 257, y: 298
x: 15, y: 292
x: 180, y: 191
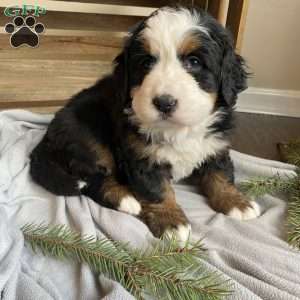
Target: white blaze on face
x: 164, y: 34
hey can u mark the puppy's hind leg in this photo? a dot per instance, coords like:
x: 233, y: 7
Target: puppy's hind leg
x: 47, y: 172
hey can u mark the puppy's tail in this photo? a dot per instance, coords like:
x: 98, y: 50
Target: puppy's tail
x: 52, y: 176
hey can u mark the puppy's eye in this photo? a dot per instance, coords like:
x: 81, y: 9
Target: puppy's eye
x: 148, y: 62
x: 192, y: 63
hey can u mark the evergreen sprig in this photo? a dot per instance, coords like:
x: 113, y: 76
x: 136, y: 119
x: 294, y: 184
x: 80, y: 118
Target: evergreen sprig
x: 293, y: 220
x: 163, y: 271
x: 290, y: 152
x: 259, y: 186
x: 290, y: 185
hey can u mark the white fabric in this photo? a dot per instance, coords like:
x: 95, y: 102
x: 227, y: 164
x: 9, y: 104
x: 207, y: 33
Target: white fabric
x: 252, y: 253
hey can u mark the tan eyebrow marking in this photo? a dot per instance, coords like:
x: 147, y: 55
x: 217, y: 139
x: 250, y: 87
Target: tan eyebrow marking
x: 146, y: 44
x: 189, y: 44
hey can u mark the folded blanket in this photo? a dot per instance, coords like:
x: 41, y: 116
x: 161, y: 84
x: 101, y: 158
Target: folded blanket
x: 253, y: 254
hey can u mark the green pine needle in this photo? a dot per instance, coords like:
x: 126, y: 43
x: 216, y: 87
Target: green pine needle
x: 256, y: 187
x: 290, y: 152
x: 290, y: 186
x: 163, y: 271
x: 260, y: 186
x: 293, y: 219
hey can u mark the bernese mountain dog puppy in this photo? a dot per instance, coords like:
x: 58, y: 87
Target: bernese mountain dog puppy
x: 162, y: 115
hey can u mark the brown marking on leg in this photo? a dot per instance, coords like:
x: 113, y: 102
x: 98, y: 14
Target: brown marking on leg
x: 163, y: 216
x: 221, y: 194
x: 113, y: 192
x: 104, y: 157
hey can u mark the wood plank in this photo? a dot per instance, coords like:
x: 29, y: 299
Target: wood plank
x: 236, y: 20
x: 223, y: 11
x: 83, y: 22
x: 64, y: 48
x: 235, y: 16
x: 200, y: 3
x: 42, y: 82
x: 217, y: 8
x: 27, y: 69
x: 106, y: 35
x: 84, y: 7
x: 213, y: 7
x: 147, y: 3
x: 32, y: 104
x: 51, y: 73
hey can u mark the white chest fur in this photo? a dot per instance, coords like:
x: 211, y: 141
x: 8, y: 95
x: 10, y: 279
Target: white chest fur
x: 187, y: 148
x: 186, y: 155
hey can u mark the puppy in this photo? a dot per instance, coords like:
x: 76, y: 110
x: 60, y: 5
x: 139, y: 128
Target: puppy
x: 162, y: 115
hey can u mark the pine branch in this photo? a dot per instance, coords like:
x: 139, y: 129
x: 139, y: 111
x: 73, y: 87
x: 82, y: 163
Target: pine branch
x: 289, y: 152
x: 293, y: 220
x: 260, y: 186
x: 273, y: 185
x: 164, y: 271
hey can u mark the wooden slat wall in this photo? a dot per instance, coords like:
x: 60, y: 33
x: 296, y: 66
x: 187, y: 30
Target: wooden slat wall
x: 84, y: 22
x: 76, y: 49
x: 86, y: 7
x: 51, y: 73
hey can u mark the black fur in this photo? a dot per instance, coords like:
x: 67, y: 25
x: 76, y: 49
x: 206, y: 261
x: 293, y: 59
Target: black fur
x: 97, y: 114
x: 144, y: 179
x: 221, y: 162
x: 49, y: 170
x: 229, y: 68
x: 88, y: 116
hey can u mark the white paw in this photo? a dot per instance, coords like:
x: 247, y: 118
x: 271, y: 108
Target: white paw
x: 248, y: 214
x: 130, y: 205
x: 182, y: 233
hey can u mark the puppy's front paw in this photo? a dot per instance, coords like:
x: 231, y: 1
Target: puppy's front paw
x: 182, y: 233
x: 251, y: 211
x: 130, y: 205
x: 166, y: 220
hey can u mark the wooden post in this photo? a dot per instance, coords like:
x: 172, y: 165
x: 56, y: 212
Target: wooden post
x: 223, y: 10
x: 217, y: 8
x: 236, y: 20
x: 230, y: 13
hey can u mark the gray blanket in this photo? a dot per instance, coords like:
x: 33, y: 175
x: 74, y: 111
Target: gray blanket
x: 253, y: 254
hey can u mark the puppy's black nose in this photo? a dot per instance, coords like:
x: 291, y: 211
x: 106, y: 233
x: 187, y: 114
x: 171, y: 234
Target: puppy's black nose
x: 165, y: 103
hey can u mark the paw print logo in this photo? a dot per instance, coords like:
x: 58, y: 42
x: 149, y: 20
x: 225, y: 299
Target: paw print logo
x: 24, y: 31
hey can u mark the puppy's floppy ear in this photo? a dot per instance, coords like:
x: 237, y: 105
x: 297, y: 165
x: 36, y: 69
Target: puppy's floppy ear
x: 120, y: 75
x: 233, y: 75
x: 121, y: 62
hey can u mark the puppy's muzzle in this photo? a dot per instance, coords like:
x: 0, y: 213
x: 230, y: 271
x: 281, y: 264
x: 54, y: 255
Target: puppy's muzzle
x: 165, y: 104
